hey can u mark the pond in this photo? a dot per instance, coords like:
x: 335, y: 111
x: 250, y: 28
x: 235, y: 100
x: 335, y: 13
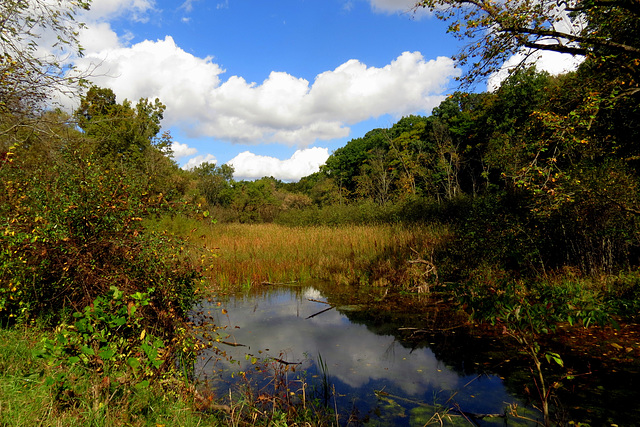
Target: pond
x: 379, y: 361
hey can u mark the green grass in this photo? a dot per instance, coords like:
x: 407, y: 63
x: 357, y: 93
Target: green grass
x: 27, y: 400
x: 87, y: 398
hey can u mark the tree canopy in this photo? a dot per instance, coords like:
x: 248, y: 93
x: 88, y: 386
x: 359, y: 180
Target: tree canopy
x: 120, y: 130
x: 30, y: 71
x: 606, y: 31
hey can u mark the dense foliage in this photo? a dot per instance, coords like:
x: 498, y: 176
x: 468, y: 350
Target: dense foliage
x: 536, y: 183
x: 73, y: 194
x: 540, y: 175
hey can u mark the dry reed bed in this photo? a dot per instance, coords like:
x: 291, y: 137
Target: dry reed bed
x: 248, y: 254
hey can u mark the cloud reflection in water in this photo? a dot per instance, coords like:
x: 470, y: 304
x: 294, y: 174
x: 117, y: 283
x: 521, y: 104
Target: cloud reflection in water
x: 277, y: 323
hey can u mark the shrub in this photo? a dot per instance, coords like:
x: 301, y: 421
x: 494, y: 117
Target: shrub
x: 72, y: 230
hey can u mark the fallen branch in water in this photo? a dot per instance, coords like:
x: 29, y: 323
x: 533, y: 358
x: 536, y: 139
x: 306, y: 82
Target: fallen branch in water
x: 265, y: 283
x: 284, y: 362
x: 317, y: 300
x: 320, y: 312
x: 387, y: 396
x: 232, y: 344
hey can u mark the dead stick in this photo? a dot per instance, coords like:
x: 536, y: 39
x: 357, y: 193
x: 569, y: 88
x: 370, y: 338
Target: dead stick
x: 317, y: 300
x: 320, y: 312
x: 232, y: 344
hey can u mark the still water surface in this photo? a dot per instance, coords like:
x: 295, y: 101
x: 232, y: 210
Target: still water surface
x: 364, y: 350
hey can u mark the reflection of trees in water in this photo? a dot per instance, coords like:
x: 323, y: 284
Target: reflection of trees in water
x: 444, y: 333
x: 454, y: 343
x: 390, y: 352
x: 596, y: 398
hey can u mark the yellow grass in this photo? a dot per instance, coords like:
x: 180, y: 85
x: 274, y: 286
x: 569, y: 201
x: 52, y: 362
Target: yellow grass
x: 249, y: 254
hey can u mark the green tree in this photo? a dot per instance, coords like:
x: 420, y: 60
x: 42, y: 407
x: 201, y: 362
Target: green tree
x: 121, y: 132
x: 408, y: 145
x: 511, y: 145
x: 256, y: 201
x: 344, y: 164
x: 321, y: 188
x: 215, y: 183
x: 601, y: 30
x: 377, y: 177
x: 459, y: 136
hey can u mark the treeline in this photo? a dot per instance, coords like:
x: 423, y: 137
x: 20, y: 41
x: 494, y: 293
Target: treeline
x: 538, y: 175
x: 541, y: 174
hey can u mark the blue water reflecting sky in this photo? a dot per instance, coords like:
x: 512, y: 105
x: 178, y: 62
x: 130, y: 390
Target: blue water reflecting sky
x: 278, y: 324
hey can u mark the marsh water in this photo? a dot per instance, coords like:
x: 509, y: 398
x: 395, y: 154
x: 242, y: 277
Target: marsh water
x: 377, y: 360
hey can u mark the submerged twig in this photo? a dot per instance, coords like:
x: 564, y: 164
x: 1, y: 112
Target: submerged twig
x: 317, y: 300
x: 284, y: 362
x: 232, y: 344
x: 384, y: 395
x: 320, y: 312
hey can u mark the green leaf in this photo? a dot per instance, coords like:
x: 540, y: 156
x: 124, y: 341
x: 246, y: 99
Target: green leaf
x: 87, y: 350
x: 106, y: 353
x: 119, y: 321
x: 555, y: 357
x: 133, y: 362
x: 117, y: 293
x: 142, y: 384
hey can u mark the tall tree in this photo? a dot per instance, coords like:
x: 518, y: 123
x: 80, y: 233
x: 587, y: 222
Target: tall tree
x: 604, y: 30
x: 121, y: 131
x: 376, y: 178
x: 30, y: 68
x: 214, y: 182
x: 344, y: 164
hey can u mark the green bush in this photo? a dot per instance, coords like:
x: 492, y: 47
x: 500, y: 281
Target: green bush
x: 109, y: 336
x: 72, y: 229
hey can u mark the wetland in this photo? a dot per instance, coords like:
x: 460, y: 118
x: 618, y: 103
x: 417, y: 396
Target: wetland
x: 381, y: 359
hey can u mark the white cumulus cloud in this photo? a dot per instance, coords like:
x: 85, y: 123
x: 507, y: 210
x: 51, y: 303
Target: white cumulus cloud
x: 392, y: 6
x: 283, y: 108
x: 204, y: 102
x: 182, y: 150
x: 198, y: 160
x: 554, y: 63
x: 136, y: 10
x: 302, y: 163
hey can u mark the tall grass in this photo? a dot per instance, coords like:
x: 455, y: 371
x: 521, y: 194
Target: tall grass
x: 251, y: 254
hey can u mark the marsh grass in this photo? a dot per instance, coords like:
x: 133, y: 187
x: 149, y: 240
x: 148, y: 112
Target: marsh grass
x: 244, y: 255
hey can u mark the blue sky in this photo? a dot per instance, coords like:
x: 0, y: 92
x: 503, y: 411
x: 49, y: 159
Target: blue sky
x: 270, y: 87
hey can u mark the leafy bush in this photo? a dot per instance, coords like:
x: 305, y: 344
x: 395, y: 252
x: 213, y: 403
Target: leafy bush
x: 72, y: 230
x: 109, y: 336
